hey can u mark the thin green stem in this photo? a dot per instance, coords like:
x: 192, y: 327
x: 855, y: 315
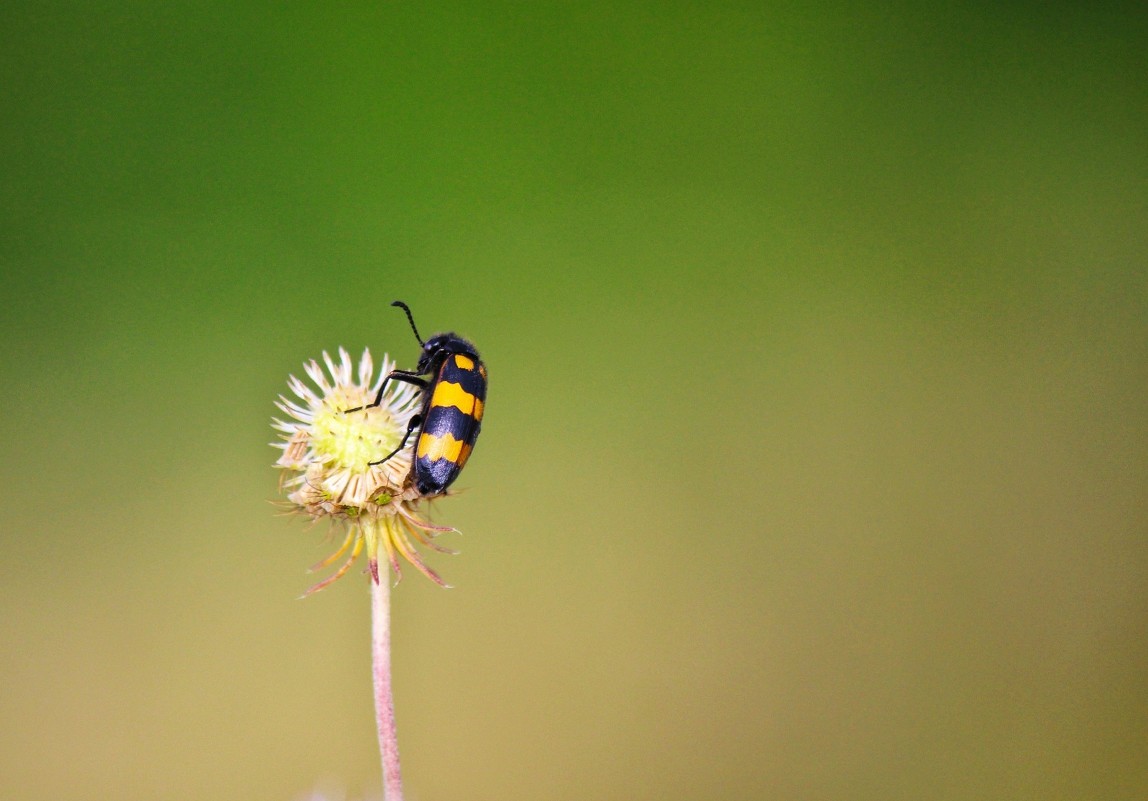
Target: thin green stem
x: 384, y: 699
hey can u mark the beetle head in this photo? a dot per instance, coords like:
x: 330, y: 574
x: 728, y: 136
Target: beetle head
x: 438, y: 347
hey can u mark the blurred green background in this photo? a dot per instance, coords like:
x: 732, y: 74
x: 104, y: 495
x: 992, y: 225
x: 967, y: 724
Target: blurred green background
x: 816, y: 452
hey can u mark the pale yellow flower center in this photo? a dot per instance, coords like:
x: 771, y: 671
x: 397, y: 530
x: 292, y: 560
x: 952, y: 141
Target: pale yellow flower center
x: 352, y: 440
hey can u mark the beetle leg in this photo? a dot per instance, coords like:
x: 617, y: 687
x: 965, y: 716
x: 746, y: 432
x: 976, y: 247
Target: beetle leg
x: 411, y: 426
x: 409, y: 376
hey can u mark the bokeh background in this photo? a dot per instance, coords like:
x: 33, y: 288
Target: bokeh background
x: 816, y: 453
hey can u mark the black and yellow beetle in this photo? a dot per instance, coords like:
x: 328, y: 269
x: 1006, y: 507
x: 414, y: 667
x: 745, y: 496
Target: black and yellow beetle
x: 451, y: 416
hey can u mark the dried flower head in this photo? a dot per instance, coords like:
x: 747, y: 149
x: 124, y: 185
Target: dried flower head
x: 327, y: 455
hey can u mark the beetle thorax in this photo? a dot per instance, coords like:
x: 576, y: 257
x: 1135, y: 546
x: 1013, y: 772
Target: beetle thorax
x: 438, y: 347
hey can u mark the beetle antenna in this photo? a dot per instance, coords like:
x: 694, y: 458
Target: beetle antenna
x: 410, y: 318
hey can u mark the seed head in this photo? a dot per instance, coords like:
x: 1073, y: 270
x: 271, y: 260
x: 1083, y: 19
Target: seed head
x: 327, y: 470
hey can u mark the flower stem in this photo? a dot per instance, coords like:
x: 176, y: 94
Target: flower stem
x: 384, y: 700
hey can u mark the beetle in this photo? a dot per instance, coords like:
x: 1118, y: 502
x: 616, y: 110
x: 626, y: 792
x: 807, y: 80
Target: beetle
x: 454, y: 397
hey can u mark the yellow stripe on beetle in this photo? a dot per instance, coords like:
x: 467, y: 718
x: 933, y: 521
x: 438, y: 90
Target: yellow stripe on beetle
x: 448, y: 394
x: 463, y: 455
x: 444, y: 447
x: 463, y: 362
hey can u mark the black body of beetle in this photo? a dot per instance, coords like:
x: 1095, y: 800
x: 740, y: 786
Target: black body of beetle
x: 453, y: 403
